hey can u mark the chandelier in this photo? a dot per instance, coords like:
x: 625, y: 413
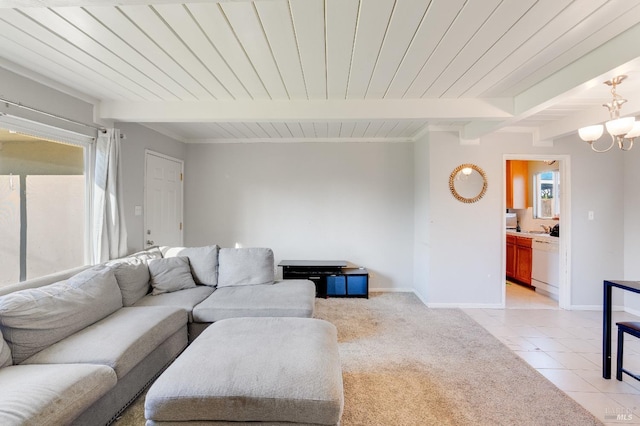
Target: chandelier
x: 622, y: 130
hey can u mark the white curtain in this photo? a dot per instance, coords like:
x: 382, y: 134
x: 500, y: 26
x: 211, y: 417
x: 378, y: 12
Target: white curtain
x: 109, y: 233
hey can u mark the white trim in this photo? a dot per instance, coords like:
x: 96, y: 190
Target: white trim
x: 438, y: 305
x: 298, y: 140
x: 44, y: 131
x: 391, y: 290
x: 564, y: 296
x: 632, y: 311
x: 465, y: 305
x: 614, y: 308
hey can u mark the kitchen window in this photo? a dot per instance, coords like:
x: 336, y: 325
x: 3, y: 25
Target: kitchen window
x: 546, y: 194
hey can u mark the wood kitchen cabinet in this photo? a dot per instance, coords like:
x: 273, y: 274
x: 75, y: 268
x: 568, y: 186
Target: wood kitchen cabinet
x: 517, y: 184
x: 511, y: 256
x: 519, y: 256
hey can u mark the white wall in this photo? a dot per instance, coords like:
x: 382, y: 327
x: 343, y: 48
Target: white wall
x: 632, y: 225
x: 467, y: 246
x: 422, y: 245
x: 325, y: 201
x: 465, y: 264
x: 30, y: 93
x: 138, y: 139
x: 597, y: 245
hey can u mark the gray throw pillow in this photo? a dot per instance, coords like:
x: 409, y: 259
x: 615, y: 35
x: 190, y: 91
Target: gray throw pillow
x: 202, y: 260
x: 170, y: 274
x: 35, y: 318
x: 245, y: 266
x: 5, y: 353
x: 132, y: 274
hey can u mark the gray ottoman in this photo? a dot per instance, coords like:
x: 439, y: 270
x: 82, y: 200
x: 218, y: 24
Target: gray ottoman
x: 269, y: 370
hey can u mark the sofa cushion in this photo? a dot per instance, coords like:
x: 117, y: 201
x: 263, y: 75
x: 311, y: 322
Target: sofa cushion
x: 185, y: 299
x: 132, y: 275
x: 289, y: 298
x: 119, y: 341
x: 202, y: 260
x: 5, y: 353
x: 34, y: 319
x: 245, y: 266
x: 51, y: 394
x: 170, y: 274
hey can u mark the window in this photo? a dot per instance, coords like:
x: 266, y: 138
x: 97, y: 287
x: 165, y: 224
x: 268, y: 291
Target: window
x: 43, y: 208
x: 546, y: 194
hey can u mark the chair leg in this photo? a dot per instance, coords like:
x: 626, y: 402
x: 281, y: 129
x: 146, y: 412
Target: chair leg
x: 620, y: 350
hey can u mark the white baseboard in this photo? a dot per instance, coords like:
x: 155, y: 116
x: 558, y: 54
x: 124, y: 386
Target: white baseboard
x: 437, y: 305
x: 614, y: 308
x: 397, y: 290
x: 392, y: 290
x: 633, y: 311
x: 466, y: 305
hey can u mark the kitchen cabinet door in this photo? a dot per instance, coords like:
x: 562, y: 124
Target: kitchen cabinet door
x: 511, y: 256
x: 517, y: 184
x: 523, y: 260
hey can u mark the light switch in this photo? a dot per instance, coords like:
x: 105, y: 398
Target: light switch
x: 590, y: 215
x: 138, y: 210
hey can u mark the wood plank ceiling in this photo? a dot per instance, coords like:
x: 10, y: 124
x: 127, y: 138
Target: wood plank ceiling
x: 328, y: 69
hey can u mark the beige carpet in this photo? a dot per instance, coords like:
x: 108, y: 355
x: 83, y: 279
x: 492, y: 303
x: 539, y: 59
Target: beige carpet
x: 405, y: 364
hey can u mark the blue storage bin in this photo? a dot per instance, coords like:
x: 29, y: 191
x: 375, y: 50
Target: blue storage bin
x: 336, y: 285
x: 357, y: 285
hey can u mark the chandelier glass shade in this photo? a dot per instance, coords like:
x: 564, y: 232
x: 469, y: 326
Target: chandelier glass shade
x: 622, y: 130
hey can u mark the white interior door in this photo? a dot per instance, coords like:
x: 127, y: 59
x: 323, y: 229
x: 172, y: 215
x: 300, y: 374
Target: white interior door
x: 163, y: 200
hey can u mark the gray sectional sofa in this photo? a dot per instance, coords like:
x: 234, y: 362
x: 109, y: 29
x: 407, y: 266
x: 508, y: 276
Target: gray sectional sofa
x: 78, y: 346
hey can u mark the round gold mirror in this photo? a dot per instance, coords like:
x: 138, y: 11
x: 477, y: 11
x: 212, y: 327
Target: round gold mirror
x: 468, y: 183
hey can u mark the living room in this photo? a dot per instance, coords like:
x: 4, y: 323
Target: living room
x: 384, y: 205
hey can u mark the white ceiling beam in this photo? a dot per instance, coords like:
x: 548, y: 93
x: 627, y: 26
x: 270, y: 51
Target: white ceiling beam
x: 595, y: 115
x: 617, y: 56
x: 321, y: 110
x: 5, y: 4
x: 298, y: 140
x: 613, y: 57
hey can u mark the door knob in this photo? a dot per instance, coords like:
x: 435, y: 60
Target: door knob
x: 150, y: 242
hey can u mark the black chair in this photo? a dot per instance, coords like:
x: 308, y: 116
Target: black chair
x: 632, y: 328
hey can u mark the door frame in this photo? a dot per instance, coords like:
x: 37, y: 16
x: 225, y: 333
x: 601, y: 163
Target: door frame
x: 147, y: 153
x: 564, y: 289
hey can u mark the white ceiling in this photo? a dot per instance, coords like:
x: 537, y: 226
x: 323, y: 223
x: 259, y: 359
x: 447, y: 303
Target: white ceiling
x: 331, y: 70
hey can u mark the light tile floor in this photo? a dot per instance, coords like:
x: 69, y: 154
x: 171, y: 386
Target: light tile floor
x: 566, y: 347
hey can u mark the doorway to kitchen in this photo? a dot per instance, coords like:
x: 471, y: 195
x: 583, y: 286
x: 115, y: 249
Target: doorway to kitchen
x: 537, y: 191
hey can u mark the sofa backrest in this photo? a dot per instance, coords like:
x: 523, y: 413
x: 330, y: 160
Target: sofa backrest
x: 203, y: 262
x: 42, y: 281
x: 33, y: 319
x: 245, y: 266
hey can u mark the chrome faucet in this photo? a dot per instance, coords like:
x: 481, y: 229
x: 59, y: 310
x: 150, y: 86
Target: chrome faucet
x: 547, y: 229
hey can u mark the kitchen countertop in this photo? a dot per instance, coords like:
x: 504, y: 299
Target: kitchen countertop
x: 525, y: 234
